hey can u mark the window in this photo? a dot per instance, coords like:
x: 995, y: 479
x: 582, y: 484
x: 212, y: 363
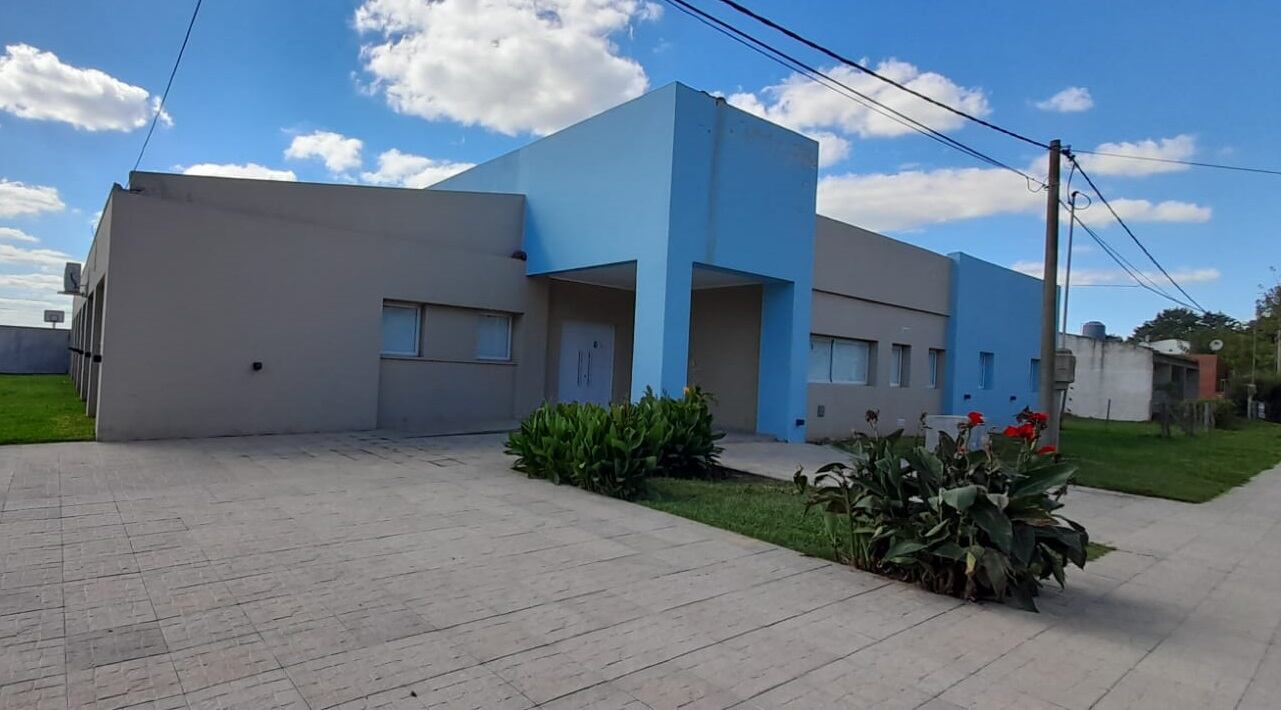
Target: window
x: 820, y: 359
x: 494, y: 337
x: 987, y: 371
x: 839, y: 360
x: 1034, y: 376
x: 400, y: 329
x: 900, y: 365
x: 935, y: 366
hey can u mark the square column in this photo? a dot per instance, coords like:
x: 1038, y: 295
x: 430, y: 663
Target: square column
x: 784, y: 361
x: 660, y: 344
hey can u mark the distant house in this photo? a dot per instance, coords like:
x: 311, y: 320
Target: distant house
x: 1129, y: 382
x: 669, y: 241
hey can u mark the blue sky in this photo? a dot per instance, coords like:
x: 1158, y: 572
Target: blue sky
x: 400, y: 92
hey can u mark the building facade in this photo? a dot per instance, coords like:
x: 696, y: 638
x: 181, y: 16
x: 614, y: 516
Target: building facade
x: 669, y: 241
x: 1127, y: 382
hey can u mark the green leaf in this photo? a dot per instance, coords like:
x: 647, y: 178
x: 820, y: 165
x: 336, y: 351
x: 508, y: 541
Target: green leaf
x: 903, y: 550
x: 960, y: 498
x: 994, y: 523
x: 1044, y: 478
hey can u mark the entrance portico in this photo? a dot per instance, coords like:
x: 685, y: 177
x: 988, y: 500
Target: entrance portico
x: 673, y: 187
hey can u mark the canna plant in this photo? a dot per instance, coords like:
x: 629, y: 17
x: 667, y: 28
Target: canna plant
x: 612, y: 450
x: 969, y: 523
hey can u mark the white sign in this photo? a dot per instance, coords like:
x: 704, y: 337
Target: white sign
x: 54, y: 316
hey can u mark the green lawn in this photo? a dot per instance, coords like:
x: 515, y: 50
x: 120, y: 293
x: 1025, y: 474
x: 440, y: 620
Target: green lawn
x: 764, y: 510
x: 1131, y: 457
x: 41, y: 408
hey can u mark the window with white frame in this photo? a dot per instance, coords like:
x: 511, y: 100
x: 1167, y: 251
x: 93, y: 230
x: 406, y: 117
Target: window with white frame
x: 401, y: 326
x: 935, y: 367
x: 840, y: 360
x: 987, y: 371
x: 900, y: 365
x: 494, y: 337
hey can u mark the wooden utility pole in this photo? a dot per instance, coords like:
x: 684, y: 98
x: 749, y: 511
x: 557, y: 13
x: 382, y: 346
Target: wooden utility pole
x: 1049, y: 297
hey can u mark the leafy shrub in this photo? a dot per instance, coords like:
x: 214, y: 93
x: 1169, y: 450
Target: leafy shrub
x: 681, y: 433
x: 1268, y: 391
x: 611, y: 450
x: 960, y: 522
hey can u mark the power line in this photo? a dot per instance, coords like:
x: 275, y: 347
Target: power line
x: 1220, y: 166
x: 818, y: 76
x: 1130, y: 232
x: 851, y: 63
x: 165, y: 96
x: 1141, y: 280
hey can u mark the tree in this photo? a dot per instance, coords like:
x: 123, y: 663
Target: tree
x: 1183, y: 324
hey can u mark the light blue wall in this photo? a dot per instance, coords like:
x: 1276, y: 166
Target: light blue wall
x: 674, y: 179
x: 996, y: 310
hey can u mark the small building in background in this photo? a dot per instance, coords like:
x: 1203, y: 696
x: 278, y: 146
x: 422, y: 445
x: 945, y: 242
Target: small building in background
x: 1128, y: 382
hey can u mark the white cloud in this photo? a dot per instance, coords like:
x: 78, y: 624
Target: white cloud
x: 252, y: 171
x: 37, y: 85
x: 10, y: 254
x: 16, y: 235
x: 918, y: 198
x: 18, y: 198
x: 832, y: 148
x: 1096, y: 277
x: 512, y: 66
x: 1073, y: 99
x: 409, y: 170
x: 30, y: 311
x: 338, y: 152
x: 801, y: 104
x: 1146, y: 211
x: 1180, y: 147
x: 31, y: 283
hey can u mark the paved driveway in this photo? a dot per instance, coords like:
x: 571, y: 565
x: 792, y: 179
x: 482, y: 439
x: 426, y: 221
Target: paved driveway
x: 365, y: 570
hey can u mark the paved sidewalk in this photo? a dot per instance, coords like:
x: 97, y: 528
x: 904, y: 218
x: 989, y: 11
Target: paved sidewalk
x: 364, y: 570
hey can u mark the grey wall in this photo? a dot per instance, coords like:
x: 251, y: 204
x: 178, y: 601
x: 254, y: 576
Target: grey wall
x: 32, y: 351
x: 208, y: 275
x: 724, y: 351
x: 870, y: 287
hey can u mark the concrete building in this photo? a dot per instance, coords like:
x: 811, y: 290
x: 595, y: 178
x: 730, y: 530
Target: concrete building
x: 1127, y: 382
x: 668, y: 241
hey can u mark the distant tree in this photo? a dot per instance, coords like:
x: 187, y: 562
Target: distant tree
x: 1184, y: 324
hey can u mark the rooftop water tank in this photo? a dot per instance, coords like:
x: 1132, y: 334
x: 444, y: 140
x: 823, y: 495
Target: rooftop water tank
x: 1095, y: 330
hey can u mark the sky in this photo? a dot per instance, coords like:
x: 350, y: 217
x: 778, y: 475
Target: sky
x: 407, y: 92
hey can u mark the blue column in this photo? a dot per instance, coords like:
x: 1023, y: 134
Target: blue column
x: 784, y: 361
x: 660, y: 346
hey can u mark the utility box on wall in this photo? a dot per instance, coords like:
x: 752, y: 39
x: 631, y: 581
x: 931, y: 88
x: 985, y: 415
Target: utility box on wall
x: 1064, y: 368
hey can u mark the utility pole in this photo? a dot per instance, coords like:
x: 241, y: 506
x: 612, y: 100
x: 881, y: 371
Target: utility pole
x: 1049, y: 296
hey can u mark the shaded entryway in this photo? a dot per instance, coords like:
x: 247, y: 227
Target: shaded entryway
x: 591, y: 339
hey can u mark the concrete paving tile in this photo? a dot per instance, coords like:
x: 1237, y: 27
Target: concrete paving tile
x: 119, y: 685
x: 349, y: 675
x: 266, y: 691
x: 223, y: 661
x: 474, y: 688
x: 47, y: 693
x: 199, y: 628
x: 104, y: 647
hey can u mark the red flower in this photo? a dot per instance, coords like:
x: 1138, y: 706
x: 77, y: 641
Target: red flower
x: 976, y: 418
x: 1027, y: 431
x: 1044, y: 450
x: 1012, y: 432
x: 1040, y: 417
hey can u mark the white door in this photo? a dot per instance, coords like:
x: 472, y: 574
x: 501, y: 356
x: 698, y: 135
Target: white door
x: 586, y: 362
